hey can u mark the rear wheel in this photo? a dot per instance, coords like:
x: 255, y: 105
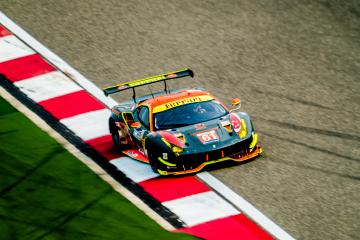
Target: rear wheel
x: 116, y: 139
x: 114, y: 130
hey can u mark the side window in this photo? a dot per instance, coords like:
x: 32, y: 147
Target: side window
x: 143, y: 114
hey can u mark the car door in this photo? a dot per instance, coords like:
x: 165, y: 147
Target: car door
x: 142, y: 114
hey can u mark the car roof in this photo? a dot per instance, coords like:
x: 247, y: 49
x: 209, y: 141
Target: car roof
x: 166, y: 98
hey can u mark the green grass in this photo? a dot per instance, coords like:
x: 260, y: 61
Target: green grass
x: 46, y: 193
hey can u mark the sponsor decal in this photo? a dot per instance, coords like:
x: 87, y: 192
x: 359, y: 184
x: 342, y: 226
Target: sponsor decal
x: 135, y: 154
x: 209, y: 136
x: 122, y: 87
x: 165, y: 156
x: 235, y: 122
x: 227, y: 125
x: 180, y: 102
x: 200, y: 126
x: 146, y: 81
x: 172, y: 75
x: 132, y: 154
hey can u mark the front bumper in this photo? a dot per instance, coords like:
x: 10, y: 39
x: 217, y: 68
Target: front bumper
x: 193, y: 163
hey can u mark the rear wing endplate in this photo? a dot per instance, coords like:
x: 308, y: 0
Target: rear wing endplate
x: 145, y: 81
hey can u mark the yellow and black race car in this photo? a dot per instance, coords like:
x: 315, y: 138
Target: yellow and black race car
x: 180, y: 131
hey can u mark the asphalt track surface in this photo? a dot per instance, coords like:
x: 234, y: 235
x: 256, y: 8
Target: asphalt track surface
x: 294, y: 64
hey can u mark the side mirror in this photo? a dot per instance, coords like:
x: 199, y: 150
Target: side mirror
x: 236, y: 103
x: 135, y: 125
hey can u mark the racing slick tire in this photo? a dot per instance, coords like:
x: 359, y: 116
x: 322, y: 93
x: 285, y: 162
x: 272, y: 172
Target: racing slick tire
x: 153, y: 164
x: 156, y: 148
x: 152, y: 155
x: 114, y: 130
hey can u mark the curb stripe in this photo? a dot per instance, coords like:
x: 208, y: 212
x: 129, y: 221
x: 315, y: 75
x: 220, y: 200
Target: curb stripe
x: 230, y: 228
x: 167, y: 189
x: 71, y: 104
x: 201, y: 208
x: 25, y: 67
x: 89, y: 125
x: 4, y: 32
x: 47, y: 86
x: 11, y: 48
x: 245, y: 206
x: 104, y: 146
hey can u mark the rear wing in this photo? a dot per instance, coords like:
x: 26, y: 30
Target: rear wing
x: 145, y: 81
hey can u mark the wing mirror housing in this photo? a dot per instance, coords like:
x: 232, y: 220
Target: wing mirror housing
x: 236, y: 103
x: 135, y: 125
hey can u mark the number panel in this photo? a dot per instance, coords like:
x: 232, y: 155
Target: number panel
x: 209, y: 136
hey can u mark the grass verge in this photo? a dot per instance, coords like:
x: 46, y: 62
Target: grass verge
x: 46, y: 193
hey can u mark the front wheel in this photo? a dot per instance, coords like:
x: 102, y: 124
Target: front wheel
x: 151, y: 156
x: 153, y: 164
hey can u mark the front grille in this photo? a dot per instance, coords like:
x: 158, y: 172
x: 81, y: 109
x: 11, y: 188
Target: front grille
x: 191, y: 161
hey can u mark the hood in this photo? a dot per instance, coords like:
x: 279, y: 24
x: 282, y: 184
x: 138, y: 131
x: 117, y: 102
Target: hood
x: 213, y: 134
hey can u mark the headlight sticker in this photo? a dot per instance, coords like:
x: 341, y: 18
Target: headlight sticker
x: 235, y: 122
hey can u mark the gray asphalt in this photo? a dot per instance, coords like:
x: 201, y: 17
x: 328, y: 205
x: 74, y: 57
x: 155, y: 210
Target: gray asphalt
x: 294, y: 64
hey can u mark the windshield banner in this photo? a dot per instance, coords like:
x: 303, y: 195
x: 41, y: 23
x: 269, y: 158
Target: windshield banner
x: 181, y: 102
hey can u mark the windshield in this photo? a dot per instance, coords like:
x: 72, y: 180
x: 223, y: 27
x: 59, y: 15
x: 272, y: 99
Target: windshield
x: 188, y: 114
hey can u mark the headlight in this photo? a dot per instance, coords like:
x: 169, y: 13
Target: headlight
x: 174, y: 148
x: 254, y: 141
x: 243, y: 131
x: 166, y: 142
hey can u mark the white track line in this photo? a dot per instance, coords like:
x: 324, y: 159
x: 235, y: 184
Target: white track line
x: 47, y: 86
x: 231, y: 196
x: 86, y: 160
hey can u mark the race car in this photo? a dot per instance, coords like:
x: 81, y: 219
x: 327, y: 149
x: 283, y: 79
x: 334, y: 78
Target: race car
x: 180, y: 131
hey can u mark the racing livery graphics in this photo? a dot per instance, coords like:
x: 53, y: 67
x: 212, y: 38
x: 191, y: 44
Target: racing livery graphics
x: 180, y: 131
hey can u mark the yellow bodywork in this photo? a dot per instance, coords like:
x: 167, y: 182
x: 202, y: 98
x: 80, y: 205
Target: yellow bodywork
x: 256, y: 152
